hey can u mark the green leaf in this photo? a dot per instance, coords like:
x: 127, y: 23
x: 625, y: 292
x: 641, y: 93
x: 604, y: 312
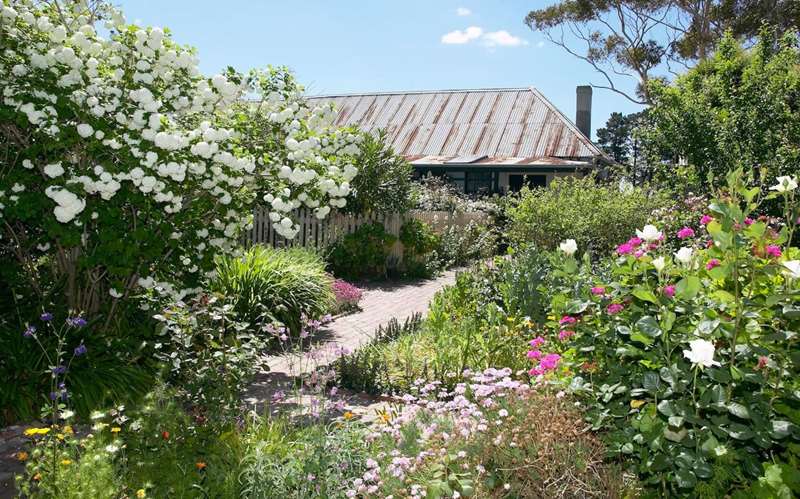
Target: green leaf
x: 651, y: 381
x: 577, y: 306
x: 780, y: 429
x: 649, y: 326
x: 667, y: 408
x: 639, y: 337
x: 685, y: 479
x: 740, y: 431
x: 738, y: 410
x: 687, y: 288
x: 644, y: 294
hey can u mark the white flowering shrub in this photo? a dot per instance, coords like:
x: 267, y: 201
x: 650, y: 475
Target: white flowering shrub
x: 125, y: 168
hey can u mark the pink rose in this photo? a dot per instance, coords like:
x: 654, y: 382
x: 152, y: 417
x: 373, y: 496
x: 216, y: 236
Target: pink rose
x: 669, y: 291
x: 713, y: 263
x: 706, y: 219
x: 685, y: 233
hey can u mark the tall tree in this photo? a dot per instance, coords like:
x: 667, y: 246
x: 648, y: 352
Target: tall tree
x: 644, y: 40
x: 615, y: 137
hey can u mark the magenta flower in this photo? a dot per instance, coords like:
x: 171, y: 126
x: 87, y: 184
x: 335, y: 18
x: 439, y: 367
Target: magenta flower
x: 706, y: 219
x: 534, y: 354
x: 774, y: 251
x: 625, y: 249
x: 535, y: 371
x: 669, y: 291
x: 565, y: 334
x: 568, y: 319
x: 598, y: 290
x: 634, y: 241
x: 763, y: 360
x: 748, y: 221
x: 537, y: 342
x: 549, y: 362
x: 615, y: 308
x: 685, y: 233
x: 713, y: 263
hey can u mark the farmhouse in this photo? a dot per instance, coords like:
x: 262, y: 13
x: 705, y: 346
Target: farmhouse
x: 484, y: 140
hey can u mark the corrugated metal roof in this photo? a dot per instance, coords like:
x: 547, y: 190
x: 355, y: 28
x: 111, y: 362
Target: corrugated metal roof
x: 518, y: 123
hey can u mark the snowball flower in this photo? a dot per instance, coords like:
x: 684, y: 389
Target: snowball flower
x: 54, y: 170
x: 659, y: 263
x: 649, y: 233
x: 569, y: 247
x: 792, y: 269
x: 701, y: 353
x: 785, y: 184
x: 85, y: 130
x: 684, y: 255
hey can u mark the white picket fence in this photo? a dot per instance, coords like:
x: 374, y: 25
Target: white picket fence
x: 319, y: 234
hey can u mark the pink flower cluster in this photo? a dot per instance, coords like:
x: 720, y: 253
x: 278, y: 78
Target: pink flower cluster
x: 346, y: 294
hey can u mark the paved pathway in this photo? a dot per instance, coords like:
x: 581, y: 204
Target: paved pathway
x: 378, y: 306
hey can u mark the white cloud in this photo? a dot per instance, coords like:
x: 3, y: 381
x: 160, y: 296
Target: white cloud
x: 459, y: 37
x: 502, y: 38
x: 463, y: 11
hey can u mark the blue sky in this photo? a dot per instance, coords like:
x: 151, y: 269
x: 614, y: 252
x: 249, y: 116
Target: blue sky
x: 364, y: 46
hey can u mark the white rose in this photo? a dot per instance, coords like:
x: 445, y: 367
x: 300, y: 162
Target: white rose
x: 650, y: 233
x: 569, y: 247
x: 684, y: 255
x: 659, y: 263
x: 701, y: 353
x: 785, y: 184
x: 792, y: 269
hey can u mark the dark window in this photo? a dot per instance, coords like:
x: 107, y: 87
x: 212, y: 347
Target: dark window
x: 516, y: 181
x: 478, y: 182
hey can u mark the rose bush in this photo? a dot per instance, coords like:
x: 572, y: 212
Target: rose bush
x: 690, y: 360
x: 125, y: 169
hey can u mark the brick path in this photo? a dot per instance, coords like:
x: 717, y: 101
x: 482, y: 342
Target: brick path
x: 378, y: 306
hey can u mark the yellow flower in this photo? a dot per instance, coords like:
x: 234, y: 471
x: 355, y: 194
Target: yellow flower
x: 141, y: 494
x: 30, y: 432
x: 22, y: 456
x: 635, y: 404
x: 385, y: 417
x: 68, y: 430
x: 348, y: 415
x: 116, y: 429
x: 66, y: 462
x: 60, y: 436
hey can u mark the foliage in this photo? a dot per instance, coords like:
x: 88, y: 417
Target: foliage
x: 210, y: 356
x: 691, y: 364
x: 738, y: 109
x: 383, y: 184
x: 419, y: 248
x: 459, y: 245
x: 595, y: 215
x: 364, y: 370
x: 641, y: 41
x: 523, y: 284
x: 347, y: 296
x: 436, y: 194
x: 361, y: 254
x: 267, y: 285
x: 283, y: 460
x: 126, y: 170
x: 620, y: 140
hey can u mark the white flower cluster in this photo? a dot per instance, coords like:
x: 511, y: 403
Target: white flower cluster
x: 132, y: 114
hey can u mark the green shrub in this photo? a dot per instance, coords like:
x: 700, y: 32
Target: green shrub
x: 690, y: 364
x: 596, y: 215
x: 268, y: 285
x: 362, y: 254
x: 383, y: 184
x: 419, y: 249
x: 460, y: 245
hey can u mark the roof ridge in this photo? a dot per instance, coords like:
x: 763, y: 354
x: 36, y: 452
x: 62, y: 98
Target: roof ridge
x: 406, y: 92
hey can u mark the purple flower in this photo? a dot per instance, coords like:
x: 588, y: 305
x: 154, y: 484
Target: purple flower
x: 76, y: 321
x: 80, y: 350
x: 59, y: 370
x: 29, y: 331
x: 46, y: 317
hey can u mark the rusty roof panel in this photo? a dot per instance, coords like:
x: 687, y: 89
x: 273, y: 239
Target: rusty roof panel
x: 498, y: 123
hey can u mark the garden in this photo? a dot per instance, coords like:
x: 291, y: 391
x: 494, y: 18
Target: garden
x: 601, y: 337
